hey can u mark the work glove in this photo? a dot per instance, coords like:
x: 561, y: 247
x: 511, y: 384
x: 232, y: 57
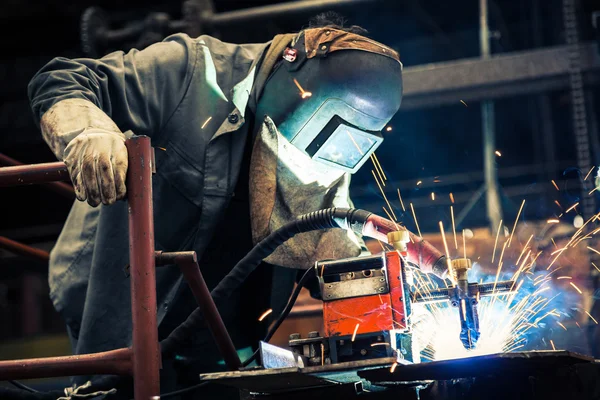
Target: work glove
x: 97, y: 163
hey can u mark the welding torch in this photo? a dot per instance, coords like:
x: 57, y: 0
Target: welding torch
x: 465, y: 296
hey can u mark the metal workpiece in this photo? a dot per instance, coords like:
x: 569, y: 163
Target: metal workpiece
x: 113, y: 362
x: 146, y: 359
x: 33, y: 174
x: 23, y: 249
x: 187, y: 261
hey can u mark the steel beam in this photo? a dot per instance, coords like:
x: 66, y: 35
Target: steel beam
x: 510, y: 74
x: 277, y: 11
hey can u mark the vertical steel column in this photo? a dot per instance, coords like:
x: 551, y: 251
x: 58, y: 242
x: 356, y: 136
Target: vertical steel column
x: 146, y: 353
x: 494, y: 207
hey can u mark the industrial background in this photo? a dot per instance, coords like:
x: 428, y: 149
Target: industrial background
x: 499, y: 121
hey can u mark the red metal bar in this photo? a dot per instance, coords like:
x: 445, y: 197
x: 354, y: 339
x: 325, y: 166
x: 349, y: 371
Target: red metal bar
x: 113, y: 362
x: 146, y: 352
x: 35, y: 173
x: 188, y: 263
x: 23, y: 249
x: 64, y: 189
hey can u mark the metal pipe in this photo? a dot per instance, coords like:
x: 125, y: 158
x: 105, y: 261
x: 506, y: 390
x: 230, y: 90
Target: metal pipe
x: 23, y: 249
x: 277, y: 10
x: 64, y: 189
x: 146, y: 353
x: 35, y: 173
x: 113, y: 362
x: 188, y: 263
x: 494, y: 207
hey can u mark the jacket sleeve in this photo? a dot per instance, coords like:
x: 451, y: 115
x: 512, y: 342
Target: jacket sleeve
x: 139, y: 90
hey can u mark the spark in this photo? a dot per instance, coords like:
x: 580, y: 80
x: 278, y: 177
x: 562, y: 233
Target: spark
x: 161, y: 148
x: 465, y: 104
x: 447, y: 252
x: 384, y: 196
x: 419, y: 182
x: 498, y: 153
x: 415, y: 217
x: 524, y: 248
x: 264, y: 315
x: 205, y: 122
x: 390, y: 216
x: 355, y: 144
x: 594, y: 250
x: 401, y: 202
x: 553, y: 221
x: 452, y: 198
x: 454, y: 227
x: 354, y: 334
x: 515, y: 225
x: 572, y: 207
x: 589, y: 172
x: 554, y: 243
x: 393, y: 367
x: 303, y: 92
x: 558, y: 251
x: 593, y: 319
x: 564, y: 277
x: 432, y: 196
x: 464, y: 243
x: 555, y: 185
x: 561, y: 325
x: 576, y: 288
x: 595, y: 266
x: 389, y: 129
x: 376, y: 161
x: 552, y: 343
x: 378, y: 173
x: 593, y: 190
x: 558, y: 204
x: 496, y: 243
x: 379, y: 344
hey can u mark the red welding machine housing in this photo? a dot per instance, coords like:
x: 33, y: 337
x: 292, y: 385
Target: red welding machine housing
x: 364, y: 295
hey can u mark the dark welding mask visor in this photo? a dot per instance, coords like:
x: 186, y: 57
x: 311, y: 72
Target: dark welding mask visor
x: 343, y: 145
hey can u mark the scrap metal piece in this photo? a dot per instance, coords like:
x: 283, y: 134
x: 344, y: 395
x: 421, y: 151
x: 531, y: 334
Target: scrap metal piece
x: 276, y: 357
x: 277, y: 380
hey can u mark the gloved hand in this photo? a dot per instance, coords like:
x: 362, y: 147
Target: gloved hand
x: 97, y: 163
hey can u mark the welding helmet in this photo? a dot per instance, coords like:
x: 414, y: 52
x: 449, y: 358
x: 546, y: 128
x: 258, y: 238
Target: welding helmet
x: 331, y: 95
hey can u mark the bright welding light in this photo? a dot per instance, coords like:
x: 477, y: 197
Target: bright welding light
x: 496, y: 325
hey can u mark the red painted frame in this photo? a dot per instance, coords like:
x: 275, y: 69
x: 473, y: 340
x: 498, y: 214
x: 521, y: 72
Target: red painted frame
x: 143, y: 359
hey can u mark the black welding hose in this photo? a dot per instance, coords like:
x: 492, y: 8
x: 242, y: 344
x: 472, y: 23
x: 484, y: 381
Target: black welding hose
x: 323, y: 219
x: 283, y: 315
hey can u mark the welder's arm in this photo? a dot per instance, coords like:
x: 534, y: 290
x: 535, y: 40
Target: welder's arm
x: 83, y: 105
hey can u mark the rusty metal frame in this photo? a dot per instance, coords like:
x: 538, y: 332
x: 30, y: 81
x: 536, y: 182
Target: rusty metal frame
x: 143, y: 360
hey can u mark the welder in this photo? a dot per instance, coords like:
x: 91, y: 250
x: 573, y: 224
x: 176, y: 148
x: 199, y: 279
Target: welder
x: 246, y: 137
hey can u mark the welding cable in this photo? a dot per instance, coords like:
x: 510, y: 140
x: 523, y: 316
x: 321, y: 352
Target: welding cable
x: 362, y: 222
x: 345, y: 218
x: 284, y: 313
